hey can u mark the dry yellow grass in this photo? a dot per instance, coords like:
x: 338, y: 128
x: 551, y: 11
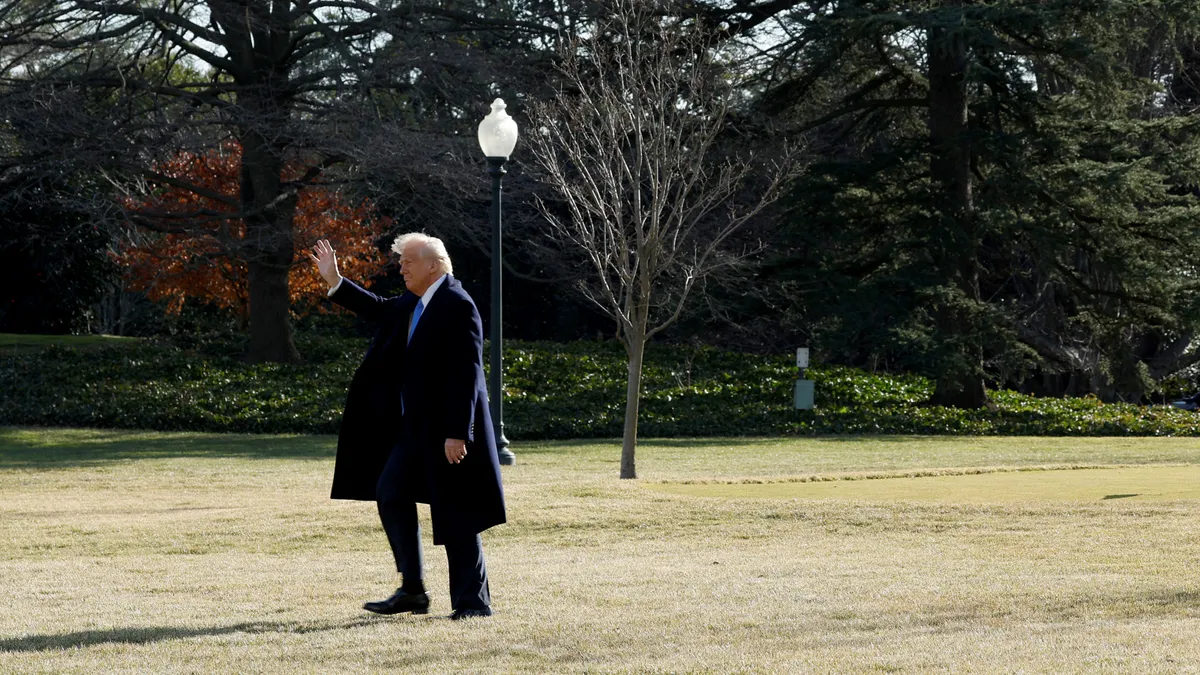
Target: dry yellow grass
x: 173, y: 553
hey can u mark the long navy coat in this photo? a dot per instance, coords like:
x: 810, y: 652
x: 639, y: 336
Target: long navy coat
x: 440, y: 376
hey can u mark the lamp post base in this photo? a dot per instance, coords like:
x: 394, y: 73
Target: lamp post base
x: 507, y: 458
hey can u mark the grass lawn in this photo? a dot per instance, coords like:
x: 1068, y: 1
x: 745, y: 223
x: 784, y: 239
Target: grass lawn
x: 13, y: 343
x: 194, y: 553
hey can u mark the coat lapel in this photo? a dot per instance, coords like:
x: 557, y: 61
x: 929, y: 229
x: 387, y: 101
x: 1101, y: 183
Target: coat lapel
x: 432, y: 310
x: 395, y: 338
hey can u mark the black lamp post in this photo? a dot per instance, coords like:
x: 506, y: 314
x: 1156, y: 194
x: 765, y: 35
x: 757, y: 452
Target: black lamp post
x: 497, y: 137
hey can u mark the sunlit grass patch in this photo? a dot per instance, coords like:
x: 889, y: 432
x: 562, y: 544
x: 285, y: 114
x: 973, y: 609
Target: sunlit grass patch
x: 13, y: 343
x: 980, y: 486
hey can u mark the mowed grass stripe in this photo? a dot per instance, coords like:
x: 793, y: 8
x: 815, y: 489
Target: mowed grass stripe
x: 1092, y: 484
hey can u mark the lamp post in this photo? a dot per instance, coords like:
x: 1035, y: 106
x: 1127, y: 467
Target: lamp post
x: 497, y: 137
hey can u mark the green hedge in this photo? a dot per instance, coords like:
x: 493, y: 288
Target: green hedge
x: 572, y: 390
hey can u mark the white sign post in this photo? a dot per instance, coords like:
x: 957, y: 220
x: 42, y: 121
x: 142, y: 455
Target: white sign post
x: 804, y: 396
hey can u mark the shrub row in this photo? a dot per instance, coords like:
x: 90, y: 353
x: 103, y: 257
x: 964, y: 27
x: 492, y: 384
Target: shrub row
x: 552, y: 391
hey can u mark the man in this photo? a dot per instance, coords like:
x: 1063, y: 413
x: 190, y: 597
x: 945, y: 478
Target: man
x: 416, y: 425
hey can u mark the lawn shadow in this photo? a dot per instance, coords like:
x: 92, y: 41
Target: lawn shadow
x: 728, y: 441
x: 965, y: 616
x: 876, y: 438
x: 558, y: 446
x: 1124, y: 606
x: 142, y: 636
x: 63, y: 448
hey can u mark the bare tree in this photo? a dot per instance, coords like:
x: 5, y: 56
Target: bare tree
x: 652, y: 195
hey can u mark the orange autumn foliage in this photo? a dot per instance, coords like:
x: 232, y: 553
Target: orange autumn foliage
x: 201, y: 262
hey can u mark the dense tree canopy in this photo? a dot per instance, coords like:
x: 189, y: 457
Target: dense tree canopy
x: 998, y: 193
x: 122, y: 86
x: 1003, y: 190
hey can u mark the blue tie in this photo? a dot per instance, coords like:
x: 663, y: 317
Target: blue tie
x: 416, y: 316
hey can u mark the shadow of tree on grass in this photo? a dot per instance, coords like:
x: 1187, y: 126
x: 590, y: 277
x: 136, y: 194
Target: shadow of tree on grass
x: 141, y: 636
x: 65, y: 448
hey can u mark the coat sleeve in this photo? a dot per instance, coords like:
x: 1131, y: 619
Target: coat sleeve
x: 360, y: 301
x: 464, y: 365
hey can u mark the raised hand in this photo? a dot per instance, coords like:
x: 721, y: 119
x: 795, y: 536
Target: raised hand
x: 325, y: 259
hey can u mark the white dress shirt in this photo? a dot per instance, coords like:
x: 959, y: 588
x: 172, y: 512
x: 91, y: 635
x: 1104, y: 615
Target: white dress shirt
x: 430, y: 291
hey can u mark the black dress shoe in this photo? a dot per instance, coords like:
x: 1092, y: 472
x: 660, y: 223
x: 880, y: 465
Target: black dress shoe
x: 401, y: 601
x: 460, y: 614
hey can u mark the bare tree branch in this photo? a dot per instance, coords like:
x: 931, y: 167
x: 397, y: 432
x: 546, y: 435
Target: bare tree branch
x: 652, y: 194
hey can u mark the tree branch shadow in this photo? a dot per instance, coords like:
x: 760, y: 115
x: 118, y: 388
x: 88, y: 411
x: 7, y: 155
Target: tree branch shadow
x: 141, y: 636
x: 59, y: 448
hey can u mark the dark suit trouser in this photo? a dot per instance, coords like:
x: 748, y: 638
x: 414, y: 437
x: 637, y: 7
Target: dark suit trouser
x: 398, y: 513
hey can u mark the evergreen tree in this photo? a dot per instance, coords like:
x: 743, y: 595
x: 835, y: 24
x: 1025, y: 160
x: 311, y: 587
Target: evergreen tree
x: 56, y: 262
x: 1001, y: 188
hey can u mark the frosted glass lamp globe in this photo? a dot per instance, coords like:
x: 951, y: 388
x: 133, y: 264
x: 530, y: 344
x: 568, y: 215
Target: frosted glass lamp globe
x: 498, y: 132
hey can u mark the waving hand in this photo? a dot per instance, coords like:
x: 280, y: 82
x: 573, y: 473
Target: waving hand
x: 325, y: 259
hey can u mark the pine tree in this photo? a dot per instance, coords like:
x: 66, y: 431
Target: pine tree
x: 1001, y: 191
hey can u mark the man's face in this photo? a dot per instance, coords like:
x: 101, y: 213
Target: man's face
x: 419, y: 273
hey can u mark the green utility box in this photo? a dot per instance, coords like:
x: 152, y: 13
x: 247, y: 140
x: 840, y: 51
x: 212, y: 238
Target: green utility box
x: 804, y: 394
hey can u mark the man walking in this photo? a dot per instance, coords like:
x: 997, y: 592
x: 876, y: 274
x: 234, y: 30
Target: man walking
x: 416, y: 425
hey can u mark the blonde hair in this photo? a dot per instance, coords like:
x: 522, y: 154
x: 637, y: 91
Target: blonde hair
x: 431, y: 247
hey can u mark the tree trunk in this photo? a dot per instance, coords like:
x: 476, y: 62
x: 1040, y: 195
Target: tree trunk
x: 636, y: 346
x: 959, y: 380
x: 268, y: 251
x: 270, y: 320
x: 259, y: 37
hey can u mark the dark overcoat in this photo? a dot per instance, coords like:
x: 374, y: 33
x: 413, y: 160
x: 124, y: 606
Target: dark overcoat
x: 439, y: 377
